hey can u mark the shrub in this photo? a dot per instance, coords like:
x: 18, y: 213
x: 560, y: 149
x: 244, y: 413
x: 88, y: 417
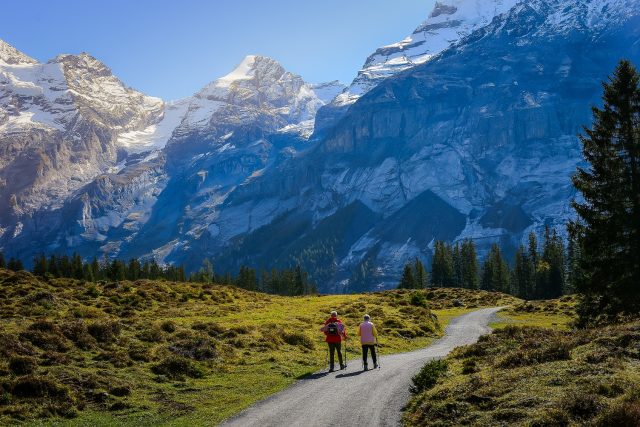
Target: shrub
x: 168, y: 326
x: 469, y: 367
x: 120, y: 391
x: 581, y: 405
x: 419, y: 299
x: 428, y: 376
x: 176, y: 367
x: 625, y: 414
x: 198, y: 349
x: 298, y: 339
x: 39, y: 386
x: 151, y: 334
x: 22, y: 365
x: 46, y: 335
x: 104, y: 331
x: 76, y: 331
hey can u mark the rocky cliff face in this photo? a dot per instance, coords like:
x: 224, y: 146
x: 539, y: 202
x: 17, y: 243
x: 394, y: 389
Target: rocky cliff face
x: 476, y: 140
x: 479, y: 142
x: 448, y: 23
x: 59, y: 124
x: 175, y: 169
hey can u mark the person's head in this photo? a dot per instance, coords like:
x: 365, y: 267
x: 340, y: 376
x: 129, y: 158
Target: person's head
x: 367, y: 317
x: 334, y: 314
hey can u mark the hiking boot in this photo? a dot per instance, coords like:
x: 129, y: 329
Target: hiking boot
x: 375, y: 366
x: 366, y: 367
x: 343, y: 367
x: 331, y: 369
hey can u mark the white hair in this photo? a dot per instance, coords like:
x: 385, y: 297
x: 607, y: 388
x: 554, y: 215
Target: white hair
x: 334, y: 313
x: 367, y: 317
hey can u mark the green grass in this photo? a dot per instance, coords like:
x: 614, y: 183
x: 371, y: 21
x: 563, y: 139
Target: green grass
x: 534, y: 370
x: 226, y: 348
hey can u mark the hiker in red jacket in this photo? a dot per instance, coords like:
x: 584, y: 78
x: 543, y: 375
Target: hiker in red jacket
x: 335, y: 332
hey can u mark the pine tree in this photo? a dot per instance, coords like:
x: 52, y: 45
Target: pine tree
x: 495, y: 271
x: 457, y: 266
x: 442, y: 265
x: 40, y: 265
x: 609, y: 217
x: 421, y: 276
x: 522, y: 278
x: 15, y: 264
x: 3, y: 263
x: 469, y: 273
x: 407, y: 281
x: 95, y: 269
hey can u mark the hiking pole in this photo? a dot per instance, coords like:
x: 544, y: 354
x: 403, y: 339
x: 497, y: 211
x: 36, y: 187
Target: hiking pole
x: 326, y: 358
x: 346, y: 352
x: 379, y: 355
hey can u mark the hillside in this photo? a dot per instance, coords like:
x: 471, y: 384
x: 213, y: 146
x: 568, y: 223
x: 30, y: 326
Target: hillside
x: 149, y: 352
x: 537, y: 376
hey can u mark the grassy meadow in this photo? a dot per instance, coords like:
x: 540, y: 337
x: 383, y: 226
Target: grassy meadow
x: 164, y: 353
x: 535, y: 370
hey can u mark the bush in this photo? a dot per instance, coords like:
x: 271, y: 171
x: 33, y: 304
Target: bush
x: 580, y: 405
x: 151, y: 334
x: 428, y: 376
x: 104, y: 331
x: 39, y: 386
x: 625, y: 414
x: 22, y: 365
x: 76, y: 331
x: 198, y: 349
x: 168, y: 326
x: 419, y: 299
x: 176, y: 368
x: 46, y: 335
x: 298, y: 339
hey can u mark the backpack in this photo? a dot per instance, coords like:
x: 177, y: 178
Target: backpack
x: 333, y: 329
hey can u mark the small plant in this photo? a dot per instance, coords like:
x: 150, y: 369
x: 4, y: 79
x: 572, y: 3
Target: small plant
x: 428, y: 376
x: 22, y: 365
x: 298, y: 339
x: 176, y: 368
x: 419, y: 299
x: 104, y: 330
x: 168, y: 326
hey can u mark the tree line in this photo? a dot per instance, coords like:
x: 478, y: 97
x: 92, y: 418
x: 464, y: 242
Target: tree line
x: 280, y: 282
x: 537, y: 273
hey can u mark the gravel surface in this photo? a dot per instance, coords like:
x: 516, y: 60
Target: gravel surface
x: 356, y: 398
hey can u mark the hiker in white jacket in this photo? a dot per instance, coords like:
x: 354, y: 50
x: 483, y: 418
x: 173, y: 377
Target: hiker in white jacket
x: 368, y: 338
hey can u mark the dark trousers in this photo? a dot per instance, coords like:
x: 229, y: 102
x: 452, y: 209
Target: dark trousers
x: 333, y: 347
x: 365, y: 350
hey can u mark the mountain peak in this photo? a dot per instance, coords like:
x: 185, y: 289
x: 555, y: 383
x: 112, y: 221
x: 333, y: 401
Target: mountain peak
x: 448, y: 23
x: 247, y: 68
x: 11, y: 56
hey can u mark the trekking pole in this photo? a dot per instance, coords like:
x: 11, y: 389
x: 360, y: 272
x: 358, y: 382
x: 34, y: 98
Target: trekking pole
x: 326, y: 358
x: 379, y: 355
x: 346, y: 352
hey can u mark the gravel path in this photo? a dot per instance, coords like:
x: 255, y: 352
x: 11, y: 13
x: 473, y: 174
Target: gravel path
x: 356, y: 398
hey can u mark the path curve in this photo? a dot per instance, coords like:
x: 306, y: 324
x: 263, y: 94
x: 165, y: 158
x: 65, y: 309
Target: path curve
x: 353, y: 397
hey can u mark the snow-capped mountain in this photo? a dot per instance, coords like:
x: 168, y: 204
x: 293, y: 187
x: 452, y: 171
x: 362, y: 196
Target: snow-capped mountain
x: 187, y: 159
x: 59, y: 123
x: 476, y: 137
x: 448, y: 22
x: 478, y: 142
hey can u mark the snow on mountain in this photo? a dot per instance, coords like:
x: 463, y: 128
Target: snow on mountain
x: 9, y: 55
x: 449, y: 22
x: 59, y: 123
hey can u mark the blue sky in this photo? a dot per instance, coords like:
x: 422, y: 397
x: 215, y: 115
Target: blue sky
x: 173, y: 48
